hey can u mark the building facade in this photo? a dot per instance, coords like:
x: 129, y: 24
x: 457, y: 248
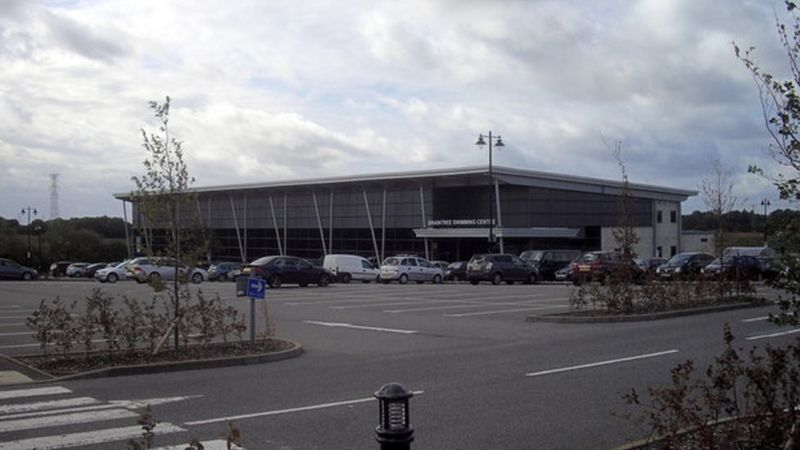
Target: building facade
x: 441, y: 214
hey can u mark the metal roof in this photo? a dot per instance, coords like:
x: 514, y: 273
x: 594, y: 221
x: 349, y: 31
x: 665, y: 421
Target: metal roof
x: 505, y: 174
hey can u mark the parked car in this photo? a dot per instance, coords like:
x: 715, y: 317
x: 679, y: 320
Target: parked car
x: 351, y: 267
x: 90, y: 270
x: 11, y: 270
x: 59, y: 268
x: 563, y: 273
x: 146, y: 269
x: 684, y: 265
x: 112, y: 274
x: 768, y: 259
x: 734, y: 267
x: 441, y: 264
x: 549, y: 261
x: 604, y: 266
x: 500, y: 267
x: 279, y: 270
x: 413, y: 268
x: 456, y: 271
x: 650, y: 265
x: 76, y: 269
x: 223, y: 271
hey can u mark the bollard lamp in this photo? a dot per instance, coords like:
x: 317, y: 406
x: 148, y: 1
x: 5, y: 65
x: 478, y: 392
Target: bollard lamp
x: 394, y: 431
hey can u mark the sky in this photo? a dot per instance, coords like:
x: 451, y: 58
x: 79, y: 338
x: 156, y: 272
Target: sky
x: 275, y: 90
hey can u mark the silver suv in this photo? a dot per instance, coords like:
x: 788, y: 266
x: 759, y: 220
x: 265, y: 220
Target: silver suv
x: 405, y: 268
x: 152, y: 269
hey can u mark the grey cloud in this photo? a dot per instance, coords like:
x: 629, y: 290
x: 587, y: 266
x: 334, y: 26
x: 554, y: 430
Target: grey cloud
x: 86, y: 40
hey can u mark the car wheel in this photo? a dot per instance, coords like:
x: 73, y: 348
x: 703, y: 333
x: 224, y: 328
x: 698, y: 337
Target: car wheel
x: 497, y: 279
x: 155, y: 276
x: 403, y: 279
x: 112, y: 278
x: 275, y: 281
x: 346, y: 278
x: 197, y: 278
x: 324, y: 281
x: 473, y: 282
x: 437, y: 279
x: 27, y: 276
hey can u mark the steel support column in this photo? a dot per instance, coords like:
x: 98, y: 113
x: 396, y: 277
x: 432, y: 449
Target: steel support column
x: 127, y: 235
x: 319, y: 224
x: 383, y: 228
x: 236, y: 224
x: 330, y: 224
x: 371, y: 228
x: 285, y: 236
x: 499, y: 215
x: 275, y: 224
x: 424, y: 222
x: 244, y: 226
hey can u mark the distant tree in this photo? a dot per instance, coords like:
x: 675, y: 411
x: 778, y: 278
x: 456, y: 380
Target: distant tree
x: 717, y: 193
x: 625, y: 232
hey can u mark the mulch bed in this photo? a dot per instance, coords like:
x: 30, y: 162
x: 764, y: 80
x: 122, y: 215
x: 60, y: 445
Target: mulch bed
x: 74, y: 363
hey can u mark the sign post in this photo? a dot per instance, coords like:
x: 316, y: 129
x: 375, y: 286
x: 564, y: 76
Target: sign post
x: 256, y: 289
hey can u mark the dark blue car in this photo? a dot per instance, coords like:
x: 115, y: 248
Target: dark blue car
x: 10, y: 270
x: 278, y: 270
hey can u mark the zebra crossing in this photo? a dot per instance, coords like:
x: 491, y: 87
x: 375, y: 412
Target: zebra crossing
x: 39, y: 418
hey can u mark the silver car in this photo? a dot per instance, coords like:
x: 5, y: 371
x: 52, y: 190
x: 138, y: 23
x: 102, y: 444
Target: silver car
x: 405, y: 268
x: 112, y: 274
x: 144, y: 270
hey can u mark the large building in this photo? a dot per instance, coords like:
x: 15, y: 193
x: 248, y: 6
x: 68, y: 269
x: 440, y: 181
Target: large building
x: 442, y: 214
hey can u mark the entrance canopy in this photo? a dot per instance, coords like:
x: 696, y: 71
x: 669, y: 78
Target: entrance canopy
x: 502, y: 232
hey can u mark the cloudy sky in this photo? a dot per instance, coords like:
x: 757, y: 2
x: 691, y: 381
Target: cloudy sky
x: 274, y: 90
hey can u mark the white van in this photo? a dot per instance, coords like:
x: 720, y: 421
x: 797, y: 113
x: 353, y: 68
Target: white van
x: 351, y: 267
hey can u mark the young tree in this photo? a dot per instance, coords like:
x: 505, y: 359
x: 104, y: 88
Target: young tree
x: 625, y: 232
x: 165, y: 203
x: 717, y: 193
x: 780, y: 104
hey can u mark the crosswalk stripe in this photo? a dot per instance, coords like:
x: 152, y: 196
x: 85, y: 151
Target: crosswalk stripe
x: 217, y: 444
x: 19, y: 393
x: 65, y: 419
x: 86, y: 438
x: 37, y: 406
x: 58, y: 411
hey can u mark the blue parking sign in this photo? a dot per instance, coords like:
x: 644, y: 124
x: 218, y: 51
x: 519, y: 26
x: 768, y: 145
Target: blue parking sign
x: 256, y: 288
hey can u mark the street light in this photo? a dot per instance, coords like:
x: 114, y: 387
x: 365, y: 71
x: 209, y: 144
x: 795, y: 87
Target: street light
x: 765, y: 203
x: 28, y: 209
x: 498, y: 143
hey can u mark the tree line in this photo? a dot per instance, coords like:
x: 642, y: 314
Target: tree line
x: 740, y: 221
x: 87, y: 239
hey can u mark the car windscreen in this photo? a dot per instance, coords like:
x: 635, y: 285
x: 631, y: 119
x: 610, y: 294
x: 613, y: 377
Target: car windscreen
x: 263, y: 261
x: 478, y: 258
x: 678, y: 259
x: 391, y: 262
x: 590, y: 257
x: 455, y: 265
x: 531, y: 255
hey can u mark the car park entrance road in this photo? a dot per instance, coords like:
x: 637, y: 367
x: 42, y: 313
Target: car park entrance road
x: 484, y: 378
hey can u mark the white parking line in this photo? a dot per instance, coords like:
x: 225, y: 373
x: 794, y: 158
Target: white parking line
x: 13, y: 325
x: 504, y: 311
x: 17, y: 333
x: 53, y: 404
x: 65, y: 419
x: 756, y: 319
x: 359, y: 327
x: 474, y: 305
x: 289, y: 410
x: 366, y: 305
x: 772, y: 335
x: 601, y: 363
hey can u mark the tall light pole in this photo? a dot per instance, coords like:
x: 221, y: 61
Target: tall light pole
x: 765, y: 203
x: 28, y: 210
x: 499, y: 143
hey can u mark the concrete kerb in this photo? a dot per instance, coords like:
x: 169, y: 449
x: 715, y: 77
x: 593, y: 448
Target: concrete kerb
x: 294, y: 351
x: 572, y: 318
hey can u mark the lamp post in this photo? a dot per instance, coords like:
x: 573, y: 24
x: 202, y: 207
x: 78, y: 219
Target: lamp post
x: 38, y: 229
x: 28, y: 210
x: 765, y: 203
x: 498, y: 143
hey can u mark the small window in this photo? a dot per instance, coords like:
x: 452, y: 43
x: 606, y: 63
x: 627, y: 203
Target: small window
x: 409, y: 262
x: 673, y: 216
x: 673, y: 250
x: 658, y: 217
x: 366, y: 264
x: 703, y: 239
x: 660, y: 251
x: 424, y: 263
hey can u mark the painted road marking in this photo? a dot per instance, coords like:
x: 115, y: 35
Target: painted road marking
x: 367, y: 305
x: 359, y: 327
x: 19, y: 333
x: 54, y: 404
x: 95, y: 341
x: 218, y: 444
x: 601, y: 363
x: 474, y: 305
x: 772, y: 335
x: 756, y: 319
x: 57, y: 411
x: 20, y: 393
x: 87, y: 438
x: 20, y: 324
x: 65, y: 419
x: 504, y: 311
x: 289, y: 410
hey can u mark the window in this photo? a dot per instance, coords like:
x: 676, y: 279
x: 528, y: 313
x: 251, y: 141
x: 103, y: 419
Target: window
x: 659, y: 252
x: 673, y: 250
x: 366, y: 264
x: 673, y: 216
x: 658, y: 217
